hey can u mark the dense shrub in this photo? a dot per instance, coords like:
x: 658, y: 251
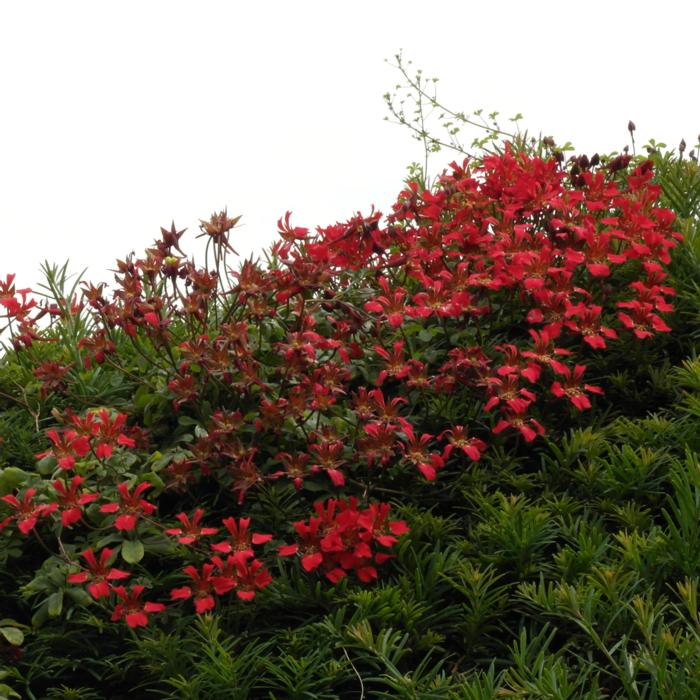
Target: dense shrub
x: 449, y: 452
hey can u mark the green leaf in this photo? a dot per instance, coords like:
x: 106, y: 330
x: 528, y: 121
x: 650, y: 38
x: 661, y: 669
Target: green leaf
x: 79, y: 596
x: 11, y: 478
x: 313, y: 486
x: 132, y: 551
x: 153, y: 478
x: 12, y: 635
x: 55, y: 603
x: 46, y: 465
x: 40, y: 616
x: 6, y: 692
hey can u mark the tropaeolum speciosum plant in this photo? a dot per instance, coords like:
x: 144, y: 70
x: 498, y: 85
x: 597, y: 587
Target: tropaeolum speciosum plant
x: 372, y: 356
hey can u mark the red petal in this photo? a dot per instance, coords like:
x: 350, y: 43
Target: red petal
x: 311, y: 561
x: 427, y: 471
x: 153, y: 607
x: 125, y: 522
x: 98, y: 590
x: 181, y: 593
x: 334, y: 575
x: 26, y: 526
x: 102, y: 451
x: 201, y: 605
x: 260, y: 539
x: 109, y: 508
x: 337, y: 477
x: 116, y: 574
x: 136, y: 619
x: 366, y: 574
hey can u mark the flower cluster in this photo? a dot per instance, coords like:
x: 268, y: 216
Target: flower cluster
x: 96, y: 430
x: 341, y: 538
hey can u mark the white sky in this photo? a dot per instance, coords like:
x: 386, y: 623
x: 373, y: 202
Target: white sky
x: 117, y: 117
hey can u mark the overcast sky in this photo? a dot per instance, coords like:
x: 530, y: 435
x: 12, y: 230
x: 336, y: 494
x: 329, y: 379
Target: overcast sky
x: 117, y: 117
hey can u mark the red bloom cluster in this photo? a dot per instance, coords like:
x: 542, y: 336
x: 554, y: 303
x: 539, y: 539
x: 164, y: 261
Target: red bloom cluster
x: 342, y: 538
x: 238, y: 571
x: 96, y: 430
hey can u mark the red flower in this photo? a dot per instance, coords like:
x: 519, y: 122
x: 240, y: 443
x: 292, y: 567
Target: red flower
x: 416, y: 452
x: 375, y: 519
x: 457, y: 437
x: 572, y: 389
x: 130, y: 507
x: 245, y: 476
x: 391, y: 304
x: 529, y: 428
x: 379, y: 444
x: 588, y: 323
x: 514, y: 365
x: 386, y: 413
x: 70, y: 499
x: 251, y: 577
x: 26, y: 511
x: 109, y: 432
x: 132, y: 609
x: 203, y: 587
x: 191, y: 531
x: 295, y: 467
x: 641, y: 320
x: 67, y: 446
x: 397, y: 366
x: 309, y: 546
x: 99, y: 573
x: 543, y: 349
x: 506, y: 390
x: 327, y: 457
x: 240, y: 540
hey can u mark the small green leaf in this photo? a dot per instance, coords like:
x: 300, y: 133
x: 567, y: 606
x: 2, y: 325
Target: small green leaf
x: 11, y: 478
x: 6, y: 692
x: 12, y: 635
x: 79, y: 596
x: 55, y: 603
x: 314, y: 486
x: 46, y: 465
x: 153, y: 478
x: 132, y: 551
